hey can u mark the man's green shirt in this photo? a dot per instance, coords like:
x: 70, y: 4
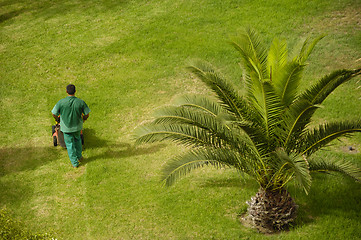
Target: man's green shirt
x: 70, y: 110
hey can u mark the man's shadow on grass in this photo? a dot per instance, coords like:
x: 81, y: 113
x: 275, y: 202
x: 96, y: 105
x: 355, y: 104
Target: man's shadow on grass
x: 113, y: 150
x: 17, y: 159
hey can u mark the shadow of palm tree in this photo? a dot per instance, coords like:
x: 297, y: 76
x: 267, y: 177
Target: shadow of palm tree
x: 339, y: 197
x: 236, y: 182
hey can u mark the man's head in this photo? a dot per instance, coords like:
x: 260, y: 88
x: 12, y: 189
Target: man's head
x: 70, y: 89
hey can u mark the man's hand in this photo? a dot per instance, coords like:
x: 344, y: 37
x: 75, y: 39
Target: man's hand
x: 85, y: 117
x: 57, y: 118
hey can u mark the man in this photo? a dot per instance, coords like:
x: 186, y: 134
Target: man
x: 73, y: 112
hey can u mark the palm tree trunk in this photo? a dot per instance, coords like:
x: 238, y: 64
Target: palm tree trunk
x: 271, y: 211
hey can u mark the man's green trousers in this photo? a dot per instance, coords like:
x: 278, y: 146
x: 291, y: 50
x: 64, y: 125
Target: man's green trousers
x: 74, y: 147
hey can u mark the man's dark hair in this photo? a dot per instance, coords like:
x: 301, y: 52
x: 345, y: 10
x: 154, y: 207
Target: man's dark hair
x: 70, y: 89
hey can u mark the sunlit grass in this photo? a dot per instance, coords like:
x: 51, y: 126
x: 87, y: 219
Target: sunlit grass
x: 126, y: 59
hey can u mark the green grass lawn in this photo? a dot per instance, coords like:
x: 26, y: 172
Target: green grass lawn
x: 127, y: 58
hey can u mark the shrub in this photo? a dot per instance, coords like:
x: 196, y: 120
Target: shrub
x: 12, y: 229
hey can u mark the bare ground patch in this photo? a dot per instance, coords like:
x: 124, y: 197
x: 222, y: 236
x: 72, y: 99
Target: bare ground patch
x: 345, y: 21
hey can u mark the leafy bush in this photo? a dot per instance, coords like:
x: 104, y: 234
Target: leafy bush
x: 12, y: 229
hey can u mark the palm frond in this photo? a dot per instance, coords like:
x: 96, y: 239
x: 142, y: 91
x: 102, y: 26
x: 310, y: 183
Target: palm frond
x: 225, y: 92
x: 256, y: 135
x: 253, y: 54
x: 277, y: 59
x: 324, y: 134
x: 184, y: 115
x: 295, y: 120
x: 183, y: 164
x: 317, y: 93
x: 304, y: 52
x: 291, y: 166
x: 201, y: 103
x: 184, y: 134
x: 269, y: 107
x: 328, y: 166
x: 289, y: 81
x: 194, y: 129
x: 221, y: 133
x: 300, y: 112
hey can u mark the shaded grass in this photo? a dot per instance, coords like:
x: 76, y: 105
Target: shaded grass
x: 126, y: 59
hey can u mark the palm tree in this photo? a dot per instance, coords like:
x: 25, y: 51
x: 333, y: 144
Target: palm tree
x: 264, y: 133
